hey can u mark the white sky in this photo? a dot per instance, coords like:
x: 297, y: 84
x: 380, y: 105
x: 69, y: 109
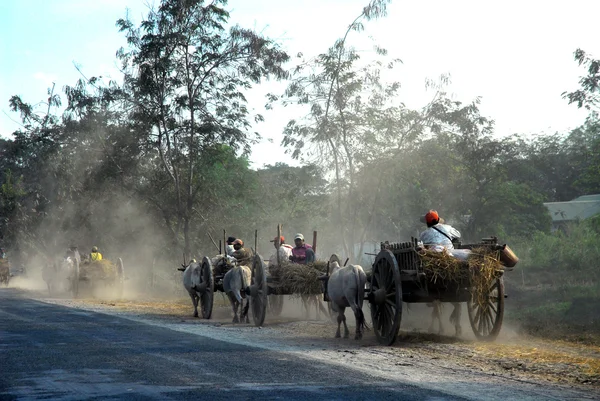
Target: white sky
x: 516, y: 55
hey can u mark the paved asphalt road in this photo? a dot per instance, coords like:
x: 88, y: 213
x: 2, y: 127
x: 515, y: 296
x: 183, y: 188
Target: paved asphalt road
x: 57, y: 353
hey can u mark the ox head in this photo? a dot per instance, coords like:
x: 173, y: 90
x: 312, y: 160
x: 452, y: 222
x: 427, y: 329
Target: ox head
x: 334, y: 263
x: 196, y: 273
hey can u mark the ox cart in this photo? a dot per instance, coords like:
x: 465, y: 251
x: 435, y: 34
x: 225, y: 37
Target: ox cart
x: 97, y: 273
x: 264, y: 282
x: 4, y: 271
x: 212, y: 274
x: 399, y: 275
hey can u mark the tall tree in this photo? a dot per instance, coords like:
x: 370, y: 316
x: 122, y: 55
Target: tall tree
x: 186, y: 75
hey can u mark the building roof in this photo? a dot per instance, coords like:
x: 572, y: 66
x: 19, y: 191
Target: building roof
x: 588, y: 198
x: 578, y: 209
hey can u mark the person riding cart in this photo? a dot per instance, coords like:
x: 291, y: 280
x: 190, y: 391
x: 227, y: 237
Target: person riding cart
x: 95, y: 254
x: 243, y: 255
x: 229, y: 248
x: 438, y: 236
x: 302, y: 253
x: 284, y: 250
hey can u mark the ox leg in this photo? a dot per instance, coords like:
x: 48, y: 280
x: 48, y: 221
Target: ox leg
x: 245, y: 311
x: 360, y: 321
x: 431, y: 326
x: 195, y: 303
x: 455, y: 318
x: 305, y: 306
x: 436, y: 314
x: 340, y: 319
x: 234, y: 306
x: 346, y: 331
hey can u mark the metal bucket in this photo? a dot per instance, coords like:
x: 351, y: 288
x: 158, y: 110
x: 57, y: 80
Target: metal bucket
x: 508, y: 257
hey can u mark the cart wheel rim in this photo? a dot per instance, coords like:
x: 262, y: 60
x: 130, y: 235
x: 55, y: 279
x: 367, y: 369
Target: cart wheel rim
x: 206, y: 298
x: 385, y: 294
x: 487, y: 313
x: 259, y: 301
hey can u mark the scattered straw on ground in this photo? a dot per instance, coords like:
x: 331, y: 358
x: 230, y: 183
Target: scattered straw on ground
x: 546, y: 358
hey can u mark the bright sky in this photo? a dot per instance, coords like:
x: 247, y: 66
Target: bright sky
x: 516, y: 54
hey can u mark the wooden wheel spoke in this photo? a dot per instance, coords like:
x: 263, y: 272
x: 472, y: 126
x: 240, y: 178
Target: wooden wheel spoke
x: 492, y: 318
x: 477, y: 315
x: 492, y: 308
x: 377, y: 277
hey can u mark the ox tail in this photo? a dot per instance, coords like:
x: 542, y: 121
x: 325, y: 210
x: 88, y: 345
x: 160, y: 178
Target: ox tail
x: 360, y: 297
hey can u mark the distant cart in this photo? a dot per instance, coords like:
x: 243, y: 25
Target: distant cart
x: 98, y: 273
x: 4, y: 272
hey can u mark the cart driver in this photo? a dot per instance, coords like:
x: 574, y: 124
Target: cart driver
x: 95, y: 255
x: 243, y: 255
x: 438, y: 236
x: 302, y: 253
x: 284, y: 250
x: 229, y: 248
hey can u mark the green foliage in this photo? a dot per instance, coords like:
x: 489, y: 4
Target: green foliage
x: 588, y: 94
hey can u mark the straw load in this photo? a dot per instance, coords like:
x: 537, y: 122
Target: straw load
x: 99, y: 270
x: 479, y: 270
x: 293, y: 278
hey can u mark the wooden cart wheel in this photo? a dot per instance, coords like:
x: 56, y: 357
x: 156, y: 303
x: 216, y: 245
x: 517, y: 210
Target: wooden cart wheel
x: 120, y: 281
x: 485, y: 315
x: 275, y: 305
x: 258, y: 291
x: 385, y: 296
x: 75, y: 278
x: 207, y: 296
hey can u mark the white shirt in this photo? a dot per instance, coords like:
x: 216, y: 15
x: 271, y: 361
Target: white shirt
x: 285, y: 251
x: 229, y: 250
x: 431, y: 236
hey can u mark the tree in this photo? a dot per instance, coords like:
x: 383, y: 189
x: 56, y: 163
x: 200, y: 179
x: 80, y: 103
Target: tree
x: 588, y: 95
x: 346, y: 100
x: 186, y: 76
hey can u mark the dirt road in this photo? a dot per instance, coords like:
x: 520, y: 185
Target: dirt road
x: 511, y: 368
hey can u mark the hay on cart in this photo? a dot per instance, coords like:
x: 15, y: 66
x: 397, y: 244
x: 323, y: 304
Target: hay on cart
x: 99, y: 269
x: 480, y: 270
x: 297, y: 279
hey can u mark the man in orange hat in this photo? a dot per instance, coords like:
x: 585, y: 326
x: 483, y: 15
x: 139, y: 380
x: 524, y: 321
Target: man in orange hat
x: 438, y: 236
x: 243, y: 255
x: 285, y: 251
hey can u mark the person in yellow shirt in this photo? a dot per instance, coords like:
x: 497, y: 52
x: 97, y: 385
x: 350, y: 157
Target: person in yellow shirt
x: 95, y: 255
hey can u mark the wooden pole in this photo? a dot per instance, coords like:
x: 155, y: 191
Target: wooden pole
x: 214, y: 243
x: 314, y: 244
x: 255, y: 241
x: 279, y: 242
x: 224, y: 243
x: 220, y: 247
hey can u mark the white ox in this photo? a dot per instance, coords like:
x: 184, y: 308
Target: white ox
x: 58, y: 274
x: 235, y: 280
x: 346, y: 288
x: 192, y: 277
